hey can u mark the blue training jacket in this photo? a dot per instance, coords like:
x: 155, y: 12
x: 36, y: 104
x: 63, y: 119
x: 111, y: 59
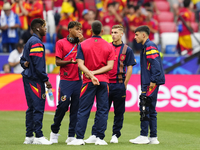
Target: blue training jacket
x: 151, y: 65
x: 34, y: 53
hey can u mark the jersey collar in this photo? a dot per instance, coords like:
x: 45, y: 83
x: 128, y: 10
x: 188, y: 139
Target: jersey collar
x: 145, y: 43
x: 117, y: 45
x: 96, y: 36
x: 37, y: 36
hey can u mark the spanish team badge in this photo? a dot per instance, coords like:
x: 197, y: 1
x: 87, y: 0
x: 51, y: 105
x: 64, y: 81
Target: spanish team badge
x: 63, y: 98
x: 44, y: 96
x: 122, y: 57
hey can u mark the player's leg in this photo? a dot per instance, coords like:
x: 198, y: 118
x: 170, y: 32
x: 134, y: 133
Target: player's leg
x: 65, y: 92
x: 85, y: 105
x: 29, y: 113
x: 74, y: 105
x: 153, y: 117
x: 144, y: 118
x: 119, y: 108
x: 102, y: 109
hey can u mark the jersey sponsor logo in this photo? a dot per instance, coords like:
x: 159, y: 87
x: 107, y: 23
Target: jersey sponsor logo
x: 96, y: 40
x: 63, y: 98
x: 122, y: 57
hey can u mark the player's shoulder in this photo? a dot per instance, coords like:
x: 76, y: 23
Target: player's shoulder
x: 150, y: 43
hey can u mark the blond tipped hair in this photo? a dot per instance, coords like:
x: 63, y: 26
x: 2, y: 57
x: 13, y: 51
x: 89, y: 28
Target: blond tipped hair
x: 120, y: 27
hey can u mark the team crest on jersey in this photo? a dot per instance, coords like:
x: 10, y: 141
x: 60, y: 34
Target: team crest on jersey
x: 96, y: 40
x: 63, y: 98
x: 44, y: 96
x: 122, y: 57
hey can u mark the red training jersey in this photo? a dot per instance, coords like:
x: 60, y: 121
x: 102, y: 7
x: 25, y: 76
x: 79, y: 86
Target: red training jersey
x: 95, y: 52
x: 69, y: 72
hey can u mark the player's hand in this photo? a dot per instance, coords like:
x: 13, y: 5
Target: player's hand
x: 80, y: 37
x: 5, y: 27
x: 73, y: 62
x: 26, y: 64
x: 48, y: 84
x: 152, y: 85
x: 86, y: 75
x: 125, y: 84
x: 95, y: 81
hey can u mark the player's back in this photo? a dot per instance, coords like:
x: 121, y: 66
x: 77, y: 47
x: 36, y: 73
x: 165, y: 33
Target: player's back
x: 96, y: 53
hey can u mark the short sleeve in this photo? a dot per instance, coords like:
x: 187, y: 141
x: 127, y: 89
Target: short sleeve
x: 80, y: 53
x: 59, y: 50
x: 111, y: 54
x: 130, y: 58
x: 11, y: 58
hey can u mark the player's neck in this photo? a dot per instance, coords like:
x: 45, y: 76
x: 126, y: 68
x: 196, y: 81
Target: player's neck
x: 118, y: 42
x: 144, y: 41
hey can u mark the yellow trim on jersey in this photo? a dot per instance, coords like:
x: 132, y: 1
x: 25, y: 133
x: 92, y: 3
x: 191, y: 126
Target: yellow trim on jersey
x: 153, y: 51
x: 38, y: 49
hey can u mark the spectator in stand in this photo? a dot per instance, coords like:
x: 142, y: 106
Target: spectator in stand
x: 176, y: 4
x: 184, y: 40
x: 80, y: 6
x: 6, y: 68
x: 20, y: 7
x: 56, y: 7
x: 14, y: 58
x: 111, y: 18
x: 62, y: 28
x: 151, y: 23
x: 35, y: 10
x: 197, y: 3
x: 9, y: 22
x: 135, y: 22
x: 88, y: 19
x: 106, y: 34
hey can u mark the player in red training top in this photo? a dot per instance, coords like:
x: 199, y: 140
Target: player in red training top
x: 95, y: 58
x: 118, y: 80
x: 70, y: 81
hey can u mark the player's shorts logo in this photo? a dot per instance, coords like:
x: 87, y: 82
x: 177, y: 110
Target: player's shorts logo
x: 63, y: 98
x: 43, y: 96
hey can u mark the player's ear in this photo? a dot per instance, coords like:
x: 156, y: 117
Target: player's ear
x: 101, y: 31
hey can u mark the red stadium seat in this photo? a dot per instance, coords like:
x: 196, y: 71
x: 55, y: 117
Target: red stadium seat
x: 167, y: 27
x: 163, y: 5
x: 195, y: 26
x: 166, y: 17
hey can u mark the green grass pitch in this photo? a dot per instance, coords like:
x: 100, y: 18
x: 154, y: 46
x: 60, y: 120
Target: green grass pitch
x: 176, y: 131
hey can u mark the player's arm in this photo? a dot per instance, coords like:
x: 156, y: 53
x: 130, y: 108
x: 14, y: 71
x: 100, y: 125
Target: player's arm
x: 83, y: 68
x: 153, y: 58
x: 129, y: 62
x: 104, y: 69
x: 60, y: 62
x: 24, y: 63
x: 128, y: 75
x: 36, y: 55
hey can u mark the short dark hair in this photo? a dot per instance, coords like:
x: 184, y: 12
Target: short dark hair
x: 111, y: 4
x: 37, y: 21
x: 20, y: 45
x: 143, y: 29
x: 137, y: 7
x: 96, y: 27
x: 186, y: 3
x: 131, y: 6
x: 147, y: 4
x: 73, y: 24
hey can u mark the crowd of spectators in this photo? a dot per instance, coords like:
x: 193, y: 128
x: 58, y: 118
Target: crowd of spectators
x: 16, y: 16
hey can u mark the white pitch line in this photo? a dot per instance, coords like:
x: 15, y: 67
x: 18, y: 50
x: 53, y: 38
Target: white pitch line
x: 50, y: 113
